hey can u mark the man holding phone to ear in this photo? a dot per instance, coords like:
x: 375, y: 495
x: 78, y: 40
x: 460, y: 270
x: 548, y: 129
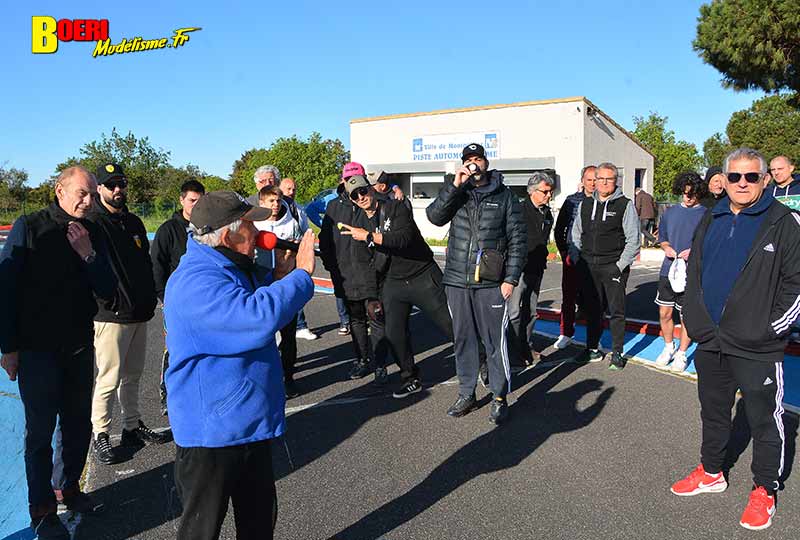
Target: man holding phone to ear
x: 486, y: 251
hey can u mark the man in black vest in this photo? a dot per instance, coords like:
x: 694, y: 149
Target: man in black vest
x: 120, y: 328
x: 605, y: 242
x: 53, y: 265
x: 168, y: 247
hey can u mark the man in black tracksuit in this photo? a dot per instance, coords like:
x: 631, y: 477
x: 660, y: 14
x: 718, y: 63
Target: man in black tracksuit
x: 54, y: 263
x: 411, y: 279
x: 485, y: 253
x: 524, y: 299
x: 742, y: 296
x: 354, y: 280
x: 168, y: 247
x: 605, y: 242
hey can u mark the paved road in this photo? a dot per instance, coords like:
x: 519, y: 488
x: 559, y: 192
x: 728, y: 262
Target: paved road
x: 587, y: 454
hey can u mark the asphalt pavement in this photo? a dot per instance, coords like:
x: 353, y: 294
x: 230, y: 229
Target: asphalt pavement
x: 586, y: 453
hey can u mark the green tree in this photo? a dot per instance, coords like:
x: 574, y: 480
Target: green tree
x: 753, y: 43
x: 144, y: 165
x: 12, y: 188
x: 672, y: 156
x: 715, y: 149
x: 771, y: 125
x: 315, y: 164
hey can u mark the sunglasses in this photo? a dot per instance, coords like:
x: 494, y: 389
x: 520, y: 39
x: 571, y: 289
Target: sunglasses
x: 113, y: 184
x: 751, y: 177
x: 359, y: 192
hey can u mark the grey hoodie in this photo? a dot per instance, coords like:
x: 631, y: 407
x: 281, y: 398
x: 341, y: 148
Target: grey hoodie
x: 630, y: 225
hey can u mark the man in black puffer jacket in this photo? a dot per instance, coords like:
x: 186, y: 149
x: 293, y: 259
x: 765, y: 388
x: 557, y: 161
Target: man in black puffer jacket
x: 486, y: 251
x: 120, y: 326
x: 168, y: 247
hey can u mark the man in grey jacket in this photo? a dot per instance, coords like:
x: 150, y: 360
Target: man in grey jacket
x: 605, y: 242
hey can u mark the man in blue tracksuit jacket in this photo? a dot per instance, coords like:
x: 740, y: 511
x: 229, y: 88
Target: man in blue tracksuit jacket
x: 225, y: 380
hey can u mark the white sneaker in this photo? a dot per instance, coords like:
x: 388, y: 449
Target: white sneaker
x: 562, y: 342
x: 679, y: 362
x: 665, y: 356
x: 305, y: 333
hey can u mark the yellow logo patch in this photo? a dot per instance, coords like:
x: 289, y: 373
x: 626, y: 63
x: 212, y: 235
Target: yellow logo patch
x: 109, y: 168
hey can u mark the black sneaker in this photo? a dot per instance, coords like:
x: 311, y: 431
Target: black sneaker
x: 143, y: 435
x: 483, y: 374
x: 82, y: 503
x: 291, y: 389
x: 360, y: 369
x: 381, y: 376
x: 103, y: 451
x: 498, y: 411
x: 462, y: 406
x: 49, y: 527
x: 616, y: 362
x: 410, y: 387
x: 589, y: 356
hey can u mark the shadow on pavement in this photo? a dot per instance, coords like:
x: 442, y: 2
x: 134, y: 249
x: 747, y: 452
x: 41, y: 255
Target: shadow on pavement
x: 134, y: 505
x: 524, y: 432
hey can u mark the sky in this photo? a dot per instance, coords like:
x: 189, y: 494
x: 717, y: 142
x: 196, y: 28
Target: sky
x: 262, y: 70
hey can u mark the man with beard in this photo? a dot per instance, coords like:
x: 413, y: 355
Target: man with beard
x: 120, y: 328
x: 53, y: 265
x: 169, y: 245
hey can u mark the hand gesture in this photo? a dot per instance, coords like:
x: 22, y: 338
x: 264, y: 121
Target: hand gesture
x: 506, y: 289
x: 305, y: 253
x: 462, y: 175
x: 78, y: 238
x: 685, y: 254
x: 355, y: 232
x: 284, y: 262
x: 10, y: 363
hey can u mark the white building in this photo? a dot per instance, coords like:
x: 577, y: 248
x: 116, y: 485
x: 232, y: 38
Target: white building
x: 560, y: 136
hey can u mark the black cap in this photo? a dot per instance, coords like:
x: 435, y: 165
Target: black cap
x: 219, y: 208
x: 109, y: 171
x: 712, y: 172
x: 473, y: 149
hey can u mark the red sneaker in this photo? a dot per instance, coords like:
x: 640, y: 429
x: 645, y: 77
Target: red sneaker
x: 699, y: 481
x: 760, y: 508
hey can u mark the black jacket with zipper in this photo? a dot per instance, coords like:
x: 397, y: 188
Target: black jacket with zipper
x: 168, y: 247
x: 765, y: 295
x: 129, y: 255
x: 487, y: 217
x: 539, y: 224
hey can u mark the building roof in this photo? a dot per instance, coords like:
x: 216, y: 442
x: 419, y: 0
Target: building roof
x: 506, y: 106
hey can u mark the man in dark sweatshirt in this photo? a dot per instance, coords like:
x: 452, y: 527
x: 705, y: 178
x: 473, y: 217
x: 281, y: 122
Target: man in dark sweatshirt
x: 605, y: 242
x: 715, y: 182
x: 120, y: 327
x: 785, y: 183
x: 53, y: 266
x: 524, y: 298
x: 168, y: 247
x: 742, y: 296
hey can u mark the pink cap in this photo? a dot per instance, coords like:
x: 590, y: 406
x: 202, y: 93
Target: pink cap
x: 352, y: 169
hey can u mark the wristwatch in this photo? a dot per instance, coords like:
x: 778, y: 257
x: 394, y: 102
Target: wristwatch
x: 370, y: 241
x: 89, y: 259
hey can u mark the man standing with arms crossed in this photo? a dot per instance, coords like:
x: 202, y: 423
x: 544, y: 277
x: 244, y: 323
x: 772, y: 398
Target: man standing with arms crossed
x: 605, y: 242
x: 485, y: 253
x: 742, y: 296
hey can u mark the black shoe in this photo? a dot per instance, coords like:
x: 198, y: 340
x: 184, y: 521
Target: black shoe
x: 360, y: 369
x: 483, y: 375
x: 589, y: 356
x: 143, y: 435
x: 410, y: 387
x: 381, y: 376
x: 291, y: 389
x: 103, y: 451
x: 499, y: 411
x: 462, y: 406
x: 616, y: 362
x: 83, y: 504
x: 49, y: 527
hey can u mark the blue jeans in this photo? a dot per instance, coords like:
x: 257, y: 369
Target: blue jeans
x: 341, y: 307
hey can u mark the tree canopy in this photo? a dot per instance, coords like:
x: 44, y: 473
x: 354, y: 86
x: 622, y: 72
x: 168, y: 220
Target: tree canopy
x: 755, y: 44
x: 770, y: 125
x: 672, y: 156
x: 315, y: 164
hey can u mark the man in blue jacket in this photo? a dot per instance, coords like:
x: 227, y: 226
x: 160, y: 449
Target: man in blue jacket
x: 225, y: 380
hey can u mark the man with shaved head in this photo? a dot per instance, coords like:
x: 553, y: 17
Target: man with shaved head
x: 781, y: 169
x: 52, y: 267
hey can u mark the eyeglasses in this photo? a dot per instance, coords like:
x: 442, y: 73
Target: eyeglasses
x: 606, y: 180
x: 751, y: 177
x: 545, y: 192
x: 359, y: 192
x: 113, y: 184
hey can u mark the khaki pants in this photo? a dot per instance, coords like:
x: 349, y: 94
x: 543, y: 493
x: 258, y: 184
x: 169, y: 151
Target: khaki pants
x: 120, y: 351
